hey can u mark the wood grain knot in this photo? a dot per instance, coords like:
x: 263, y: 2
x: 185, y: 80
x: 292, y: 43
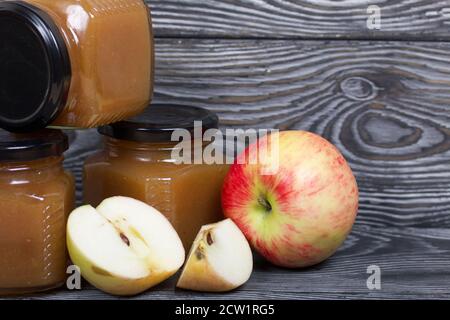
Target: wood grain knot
x: 387, y: 132
x: 358, y: 88
x: 390, y: 135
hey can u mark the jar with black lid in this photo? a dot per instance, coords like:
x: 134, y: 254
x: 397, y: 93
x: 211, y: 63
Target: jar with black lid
x: 140, y: 160
x: 73, y: 63
x: 36, y: 196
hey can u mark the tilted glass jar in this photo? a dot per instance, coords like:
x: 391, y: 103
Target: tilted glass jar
x: 36, y: 196
x: 138, y: 161
x: 73, y: 63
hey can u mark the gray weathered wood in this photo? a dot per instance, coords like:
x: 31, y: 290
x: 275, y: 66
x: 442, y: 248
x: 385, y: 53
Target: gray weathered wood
x: 414, y: 262
x: 386, y: 105
x: 347, y: 19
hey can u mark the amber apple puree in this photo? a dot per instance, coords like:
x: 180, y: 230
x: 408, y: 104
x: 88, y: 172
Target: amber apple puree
x: 110, y: 45
x: 35, y: 199
x: 188, y: 195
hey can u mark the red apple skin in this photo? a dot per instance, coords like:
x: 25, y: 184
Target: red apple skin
x: 312, y: 197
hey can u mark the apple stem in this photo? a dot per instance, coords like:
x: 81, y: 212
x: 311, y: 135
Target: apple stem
x: 262, y: 200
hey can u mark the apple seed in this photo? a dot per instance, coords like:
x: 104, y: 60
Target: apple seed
x: 209, y: 239
x: 125, y: 239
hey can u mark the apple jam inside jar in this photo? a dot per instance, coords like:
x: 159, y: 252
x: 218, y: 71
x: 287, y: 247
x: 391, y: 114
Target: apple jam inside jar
x: 140, y: 160
x: 73, y: 63
x: 36, y: 196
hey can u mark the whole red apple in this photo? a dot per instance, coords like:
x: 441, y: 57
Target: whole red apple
x: 299, y: 214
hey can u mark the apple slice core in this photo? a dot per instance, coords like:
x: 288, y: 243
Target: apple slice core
x: 220, y: 259
x: 159, y: 245
x: 229, y: 255
x: 124, y: 246
x: 101, y: 243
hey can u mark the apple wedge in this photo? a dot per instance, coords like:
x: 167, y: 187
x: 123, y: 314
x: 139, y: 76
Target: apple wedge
x: 123, y: 247
x: 220, y: 259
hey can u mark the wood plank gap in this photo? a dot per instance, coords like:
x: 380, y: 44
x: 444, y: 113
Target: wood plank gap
x: 360, y: 39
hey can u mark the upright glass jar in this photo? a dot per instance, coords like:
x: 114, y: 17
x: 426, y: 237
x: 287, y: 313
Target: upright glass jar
x: 140, y: 160
x: 73, y: 63
x: 36, y: 196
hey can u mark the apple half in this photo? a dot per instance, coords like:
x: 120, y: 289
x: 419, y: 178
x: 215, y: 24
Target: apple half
x: 124, y: 246
x: 220, y: 259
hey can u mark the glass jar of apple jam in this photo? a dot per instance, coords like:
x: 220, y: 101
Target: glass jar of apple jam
x: 36, y: 196
x: 73, y: 63
x: 140, y: 160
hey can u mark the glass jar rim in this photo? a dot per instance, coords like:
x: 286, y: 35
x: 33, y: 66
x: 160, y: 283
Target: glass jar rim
x: 33, y: 112
x: 159, y: 121
x: 32, y: 146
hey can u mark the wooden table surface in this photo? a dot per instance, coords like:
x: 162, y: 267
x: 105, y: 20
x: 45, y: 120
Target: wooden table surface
x: 382, y: 96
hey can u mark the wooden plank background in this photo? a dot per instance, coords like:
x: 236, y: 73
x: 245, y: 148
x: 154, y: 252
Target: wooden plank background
x: 306, y: 19
x: 383, y: 97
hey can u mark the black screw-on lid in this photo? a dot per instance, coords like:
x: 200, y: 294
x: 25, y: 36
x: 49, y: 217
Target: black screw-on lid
x: 35, y: 68
x: 159, y: 121
x: 32, y: 146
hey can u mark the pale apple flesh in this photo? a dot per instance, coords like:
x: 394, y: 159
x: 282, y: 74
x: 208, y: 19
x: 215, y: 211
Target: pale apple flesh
x: 220, y: 259
x: 123, y: 247
x: 300, y: 215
